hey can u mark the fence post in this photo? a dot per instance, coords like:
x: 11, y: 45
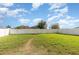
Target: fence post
x: 9, y: 31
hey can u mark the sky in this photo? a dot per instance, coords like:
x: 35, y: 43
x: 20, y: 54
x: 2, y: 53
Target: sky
x: 29, y: 14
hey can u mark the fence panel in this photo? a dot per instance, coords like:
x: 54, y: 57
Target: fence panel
x: 4, y: 32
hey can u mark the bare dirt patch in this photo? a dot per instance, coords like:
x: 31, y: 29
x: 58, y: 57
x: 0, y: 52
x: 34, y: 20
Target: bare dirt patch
x: 27, y: 47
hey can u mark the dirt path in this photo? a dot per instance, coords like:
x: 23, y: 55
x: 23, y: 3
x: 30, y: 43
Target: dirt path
x: 27, y: 48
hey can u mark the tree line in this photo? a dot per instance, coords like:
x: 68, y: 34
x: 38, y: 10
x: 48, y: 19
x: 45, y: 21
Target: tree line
x: 41, y: 25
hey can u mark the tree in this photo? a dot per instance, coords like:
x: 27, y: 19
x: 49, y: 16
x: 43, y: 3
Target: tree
x: 41, y: 25
x: 22, y: 27
x: 55, y: 26
x: 8, y: 26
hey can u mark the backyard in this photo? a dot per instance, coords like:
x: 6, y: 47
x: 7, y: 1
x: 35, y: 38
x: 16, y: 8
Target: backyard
x: 37, y: 44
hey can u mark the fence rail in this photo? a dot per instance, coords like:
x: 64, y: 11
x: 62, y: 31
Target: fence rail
x: 4, y: 32
x: 31, y: 31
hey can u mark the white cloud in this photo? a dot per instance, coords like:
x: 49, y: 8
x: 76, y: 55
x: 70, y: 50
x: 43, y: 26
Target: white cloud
x: 11, y: 13
x: 1, y: 20
x: 16, y: 12
x: 65, y: 22
x: 56, y: 5
x: 1, y: 17
x: 36, y: 21
x: 24, y: 21
x: 50, y: 19
x: 3, y: 10
x: 3, y: 13
x: 58, y: 8
x: 68, y: 22
x: 6, y: 4
x: 20, y: 10
x: 59, y: 11
x: 36, y: 6
x: 48, y: 15
x: 62, y: 11
x: 62, y: 22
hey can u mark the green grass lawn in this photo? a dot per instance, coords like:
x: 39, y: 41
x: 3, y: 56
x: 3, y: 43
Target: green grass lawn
x: 12, y: 41
x: 57, y: 44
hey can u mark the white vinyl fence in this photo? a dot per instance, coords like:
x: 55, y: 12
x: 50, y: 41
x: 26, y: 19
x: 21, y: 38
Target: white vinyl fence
x: 4, y: 32
x: 69, y: 31
x: 31, y: 31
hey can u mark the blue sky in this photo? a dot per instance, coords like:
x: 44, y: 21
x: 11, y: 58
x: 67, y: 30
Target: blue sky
x: 29, y: 14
